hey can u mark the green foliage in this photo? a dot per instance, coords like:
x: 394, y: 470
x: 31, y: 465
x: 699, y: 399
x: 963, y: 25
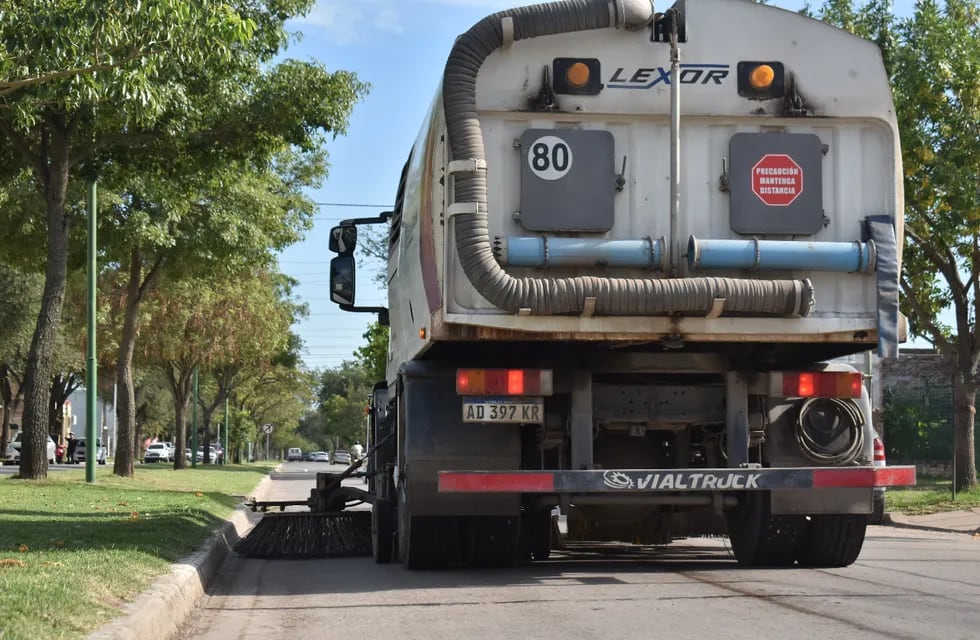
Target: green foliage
x: 20, y: 294
x: 374, y: 355
x: 917, y: 430
x: 933, y: 59
x: 343, y: 394
x: 204, y: 145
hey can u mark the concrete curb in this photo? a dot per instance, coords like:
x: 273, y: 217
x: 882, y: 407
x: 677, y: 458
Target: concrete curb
x: 888, y: 521
x: 159, y: 611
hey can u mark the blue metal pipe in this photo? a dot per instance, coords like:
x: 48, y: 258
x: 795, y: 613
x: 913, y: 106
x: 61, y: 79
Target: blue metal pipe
x: 846, y: 257
x: 580, y: 252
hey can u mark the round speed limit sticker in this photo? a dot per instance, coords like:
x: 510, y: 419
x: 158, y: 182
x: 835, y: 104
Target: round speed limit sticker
x: 549, y: 157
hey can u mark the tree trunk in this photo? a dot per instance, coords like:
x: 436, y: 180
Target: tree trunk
x: 180, y: 388
x: 126, y: 411
x: 7, y: 399
x: 964, y: 455
x: 53, y: 178
x: 137, y: 441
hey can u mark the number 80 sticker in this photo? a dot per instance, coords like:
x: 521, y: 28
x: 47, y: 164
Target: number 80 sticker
x: 550, y: 158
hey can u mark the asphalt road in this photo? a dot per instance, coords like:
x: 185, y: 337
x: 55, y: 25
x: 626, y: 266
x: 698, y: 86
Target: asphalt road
x: 906, y: 584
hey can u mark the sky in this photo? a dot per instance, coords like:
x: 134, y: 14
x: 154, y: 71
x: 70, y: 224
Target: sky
x: 399, y: 47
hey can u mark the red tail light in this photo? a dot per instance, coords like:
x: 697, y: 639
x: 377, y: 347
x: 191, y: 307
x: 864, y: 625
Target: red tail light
x: 816, y: 384
x: 503, y: 382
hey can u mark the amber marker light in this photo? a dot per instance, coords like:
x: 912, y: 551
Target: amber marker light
x: 761, y: 79
x: 762, y: 76
x: 422, y: 333
x: 578, y: 75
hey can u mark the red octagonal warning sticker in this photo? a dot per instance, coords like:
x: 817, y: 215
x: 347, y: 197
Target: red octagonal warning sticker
x: 777, y: 179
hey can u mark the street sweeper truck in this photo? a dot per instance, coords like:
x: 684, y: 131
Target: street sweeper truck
x: 628, y: 245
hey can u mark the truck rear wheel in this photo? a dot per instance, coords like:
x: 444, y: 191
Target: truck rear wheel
x: 536, y: 534
x: 383, y: 530
x: 491, y: 541
x: 760, y: 539
x: 833, y: 540
x: 426, y: 542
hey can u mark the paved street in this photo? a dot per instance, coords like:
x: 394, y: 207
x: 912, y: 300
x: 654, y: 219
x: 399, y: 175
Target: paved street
x: 907, y: 584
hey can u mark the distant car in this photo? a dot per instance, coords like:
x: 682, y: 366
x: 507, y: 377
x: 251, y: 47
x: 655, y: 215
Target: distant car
x: 81, y: 448
x: 12, y: 455
x: 294, y: 454
x: 158, y: 452
x: 320, y: 456
x: 212, y: 454
x: 341, y: 456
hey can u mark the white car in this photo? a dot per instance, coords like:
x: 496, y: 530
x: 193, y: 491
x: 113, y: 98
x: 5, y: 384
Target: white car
x: 101, y: 456
x: 341, y: 456
x: 320, y: 456
x: 12, y: 455
x: 158, y: 452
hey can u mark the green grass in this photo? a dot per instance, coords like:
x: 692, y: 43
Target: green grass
x: 72, y: 553
x: 930, y: 495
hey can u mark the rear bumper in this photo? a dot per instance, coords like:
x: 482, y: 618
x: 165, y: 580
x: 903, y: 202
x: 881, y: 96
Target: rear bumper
x: 669, y: 480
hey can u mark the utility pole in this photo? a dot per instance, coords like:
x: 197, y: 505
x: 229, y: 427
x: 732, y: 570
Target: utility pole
x: 194, y: 420
x: 224, y: 446
x: 91, y: 373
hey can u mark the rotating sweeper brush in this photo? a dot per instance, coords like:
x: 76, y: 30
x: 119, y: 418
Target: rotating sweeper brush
x: 327, y: 530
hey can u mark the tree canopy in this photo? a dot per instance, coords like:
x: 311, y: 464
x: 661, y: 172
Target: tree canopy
x: 172, y: 91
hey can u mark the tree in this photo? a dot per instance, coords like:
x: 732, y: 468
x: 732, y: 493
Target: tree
x: 136, y: 52
x: 21, y: 294
x: 374, y: 355
x: 933, y: 59
x: 344, y: 392
x: 250, y: 323
x: 197, y: 95
x: 938, y: 104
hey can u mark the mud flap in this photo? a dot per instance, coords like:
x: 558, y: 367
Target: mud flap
x: 881, y: 229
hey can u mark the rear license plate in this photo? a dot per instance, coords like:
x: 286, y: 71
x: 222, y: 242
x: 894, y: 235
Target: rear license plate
x: 504, y: 410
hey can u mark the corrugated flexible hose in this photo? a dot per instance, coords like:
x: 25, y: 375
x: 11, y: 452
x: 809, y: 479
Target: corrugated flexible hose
x: 547, y: 296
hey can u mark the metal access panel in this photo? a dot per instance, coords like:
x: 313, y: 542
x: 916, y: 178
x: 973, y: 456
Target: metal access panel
x: 568, y: 180
x: 776, y: 183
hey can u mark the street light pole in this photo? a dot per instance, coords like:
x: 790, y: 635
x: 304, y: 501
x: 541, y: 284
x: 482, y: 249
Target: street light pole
x: 194, y: 420
x: 224, y: 458
x: 91, y: 373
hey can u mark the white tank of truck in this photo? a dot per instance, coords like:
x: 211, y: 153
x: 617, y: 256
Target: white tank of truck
x: 626, y: 243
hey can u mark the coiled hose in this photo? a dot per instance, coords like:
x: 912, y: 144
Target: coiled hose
x: 547, y: 296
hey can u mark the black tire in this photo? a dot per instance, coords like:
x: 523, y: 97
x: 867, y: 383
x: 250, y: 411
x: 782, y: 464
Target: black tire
x: 492, y: 541
x: 383, y: 530
x: 424, y: 542
x: 760, y: 539
x: 536, y: 533
x: 833, y: 540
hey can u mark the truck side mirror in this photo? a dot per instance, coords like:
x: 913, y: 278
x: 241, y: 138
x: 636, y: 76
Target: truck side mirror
x: 342, y: 278
x: 343, y: 239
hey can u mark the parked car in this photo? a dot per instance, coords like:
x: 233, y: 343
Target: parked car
x: 212, y: 454
x: 12, y: 455
x: 158, y: 452
x: 341, y: 456
x: 320, y: 456
x: 81, y: 448
x: 294, y: 454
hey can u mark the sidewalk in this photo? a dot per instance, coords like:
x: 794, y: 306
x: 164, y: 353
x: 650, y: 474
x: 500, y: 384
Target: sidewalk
x: 965, y: 521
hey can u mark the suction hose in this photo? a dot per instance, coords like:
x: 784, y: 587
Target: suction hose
x: 548, y: 296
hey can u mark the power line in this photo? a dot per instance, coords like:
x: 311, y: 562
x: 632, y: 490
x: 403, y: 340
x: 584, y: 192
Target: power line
x: 354, y: 204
